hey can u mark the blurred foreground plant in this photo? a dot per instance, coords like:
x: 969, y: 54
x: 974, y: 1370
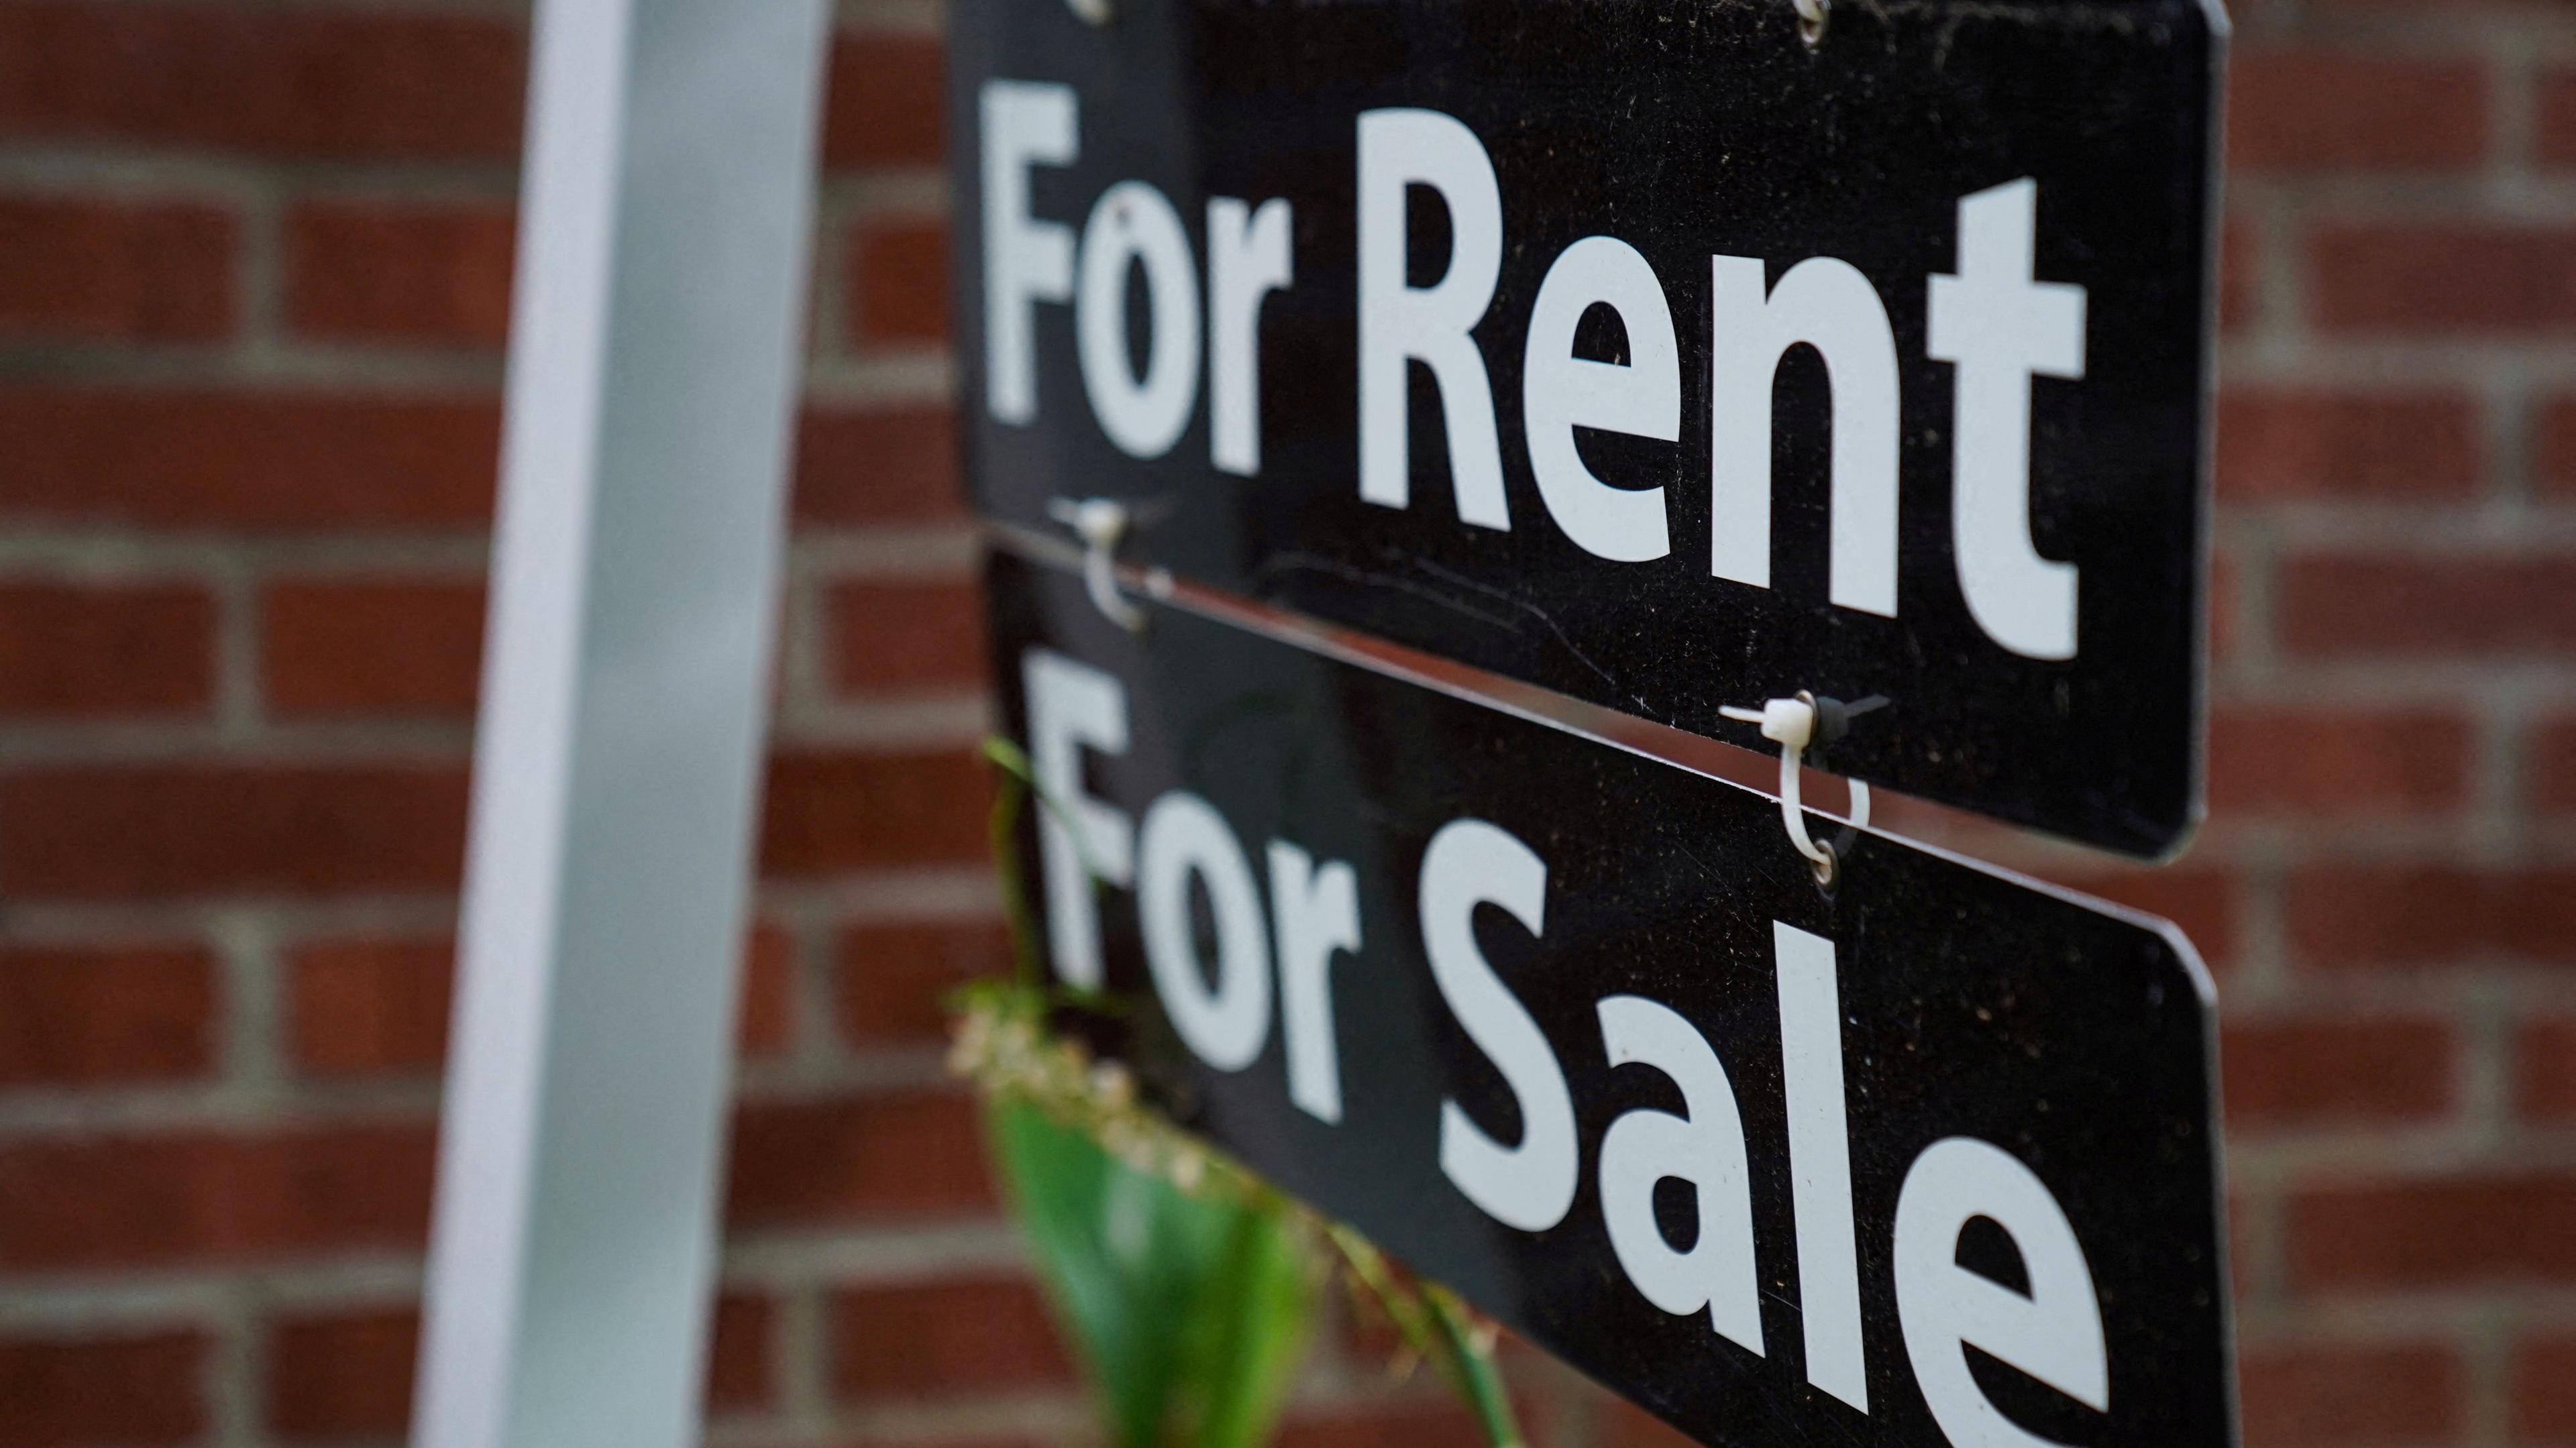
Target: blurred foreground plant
x: 1188, y: 1284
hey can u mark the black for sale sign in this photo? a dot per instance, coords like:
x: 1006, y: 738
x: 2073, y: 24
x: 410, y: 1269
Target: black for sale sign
x: 1641, y: 349
x: 1925, y: 1159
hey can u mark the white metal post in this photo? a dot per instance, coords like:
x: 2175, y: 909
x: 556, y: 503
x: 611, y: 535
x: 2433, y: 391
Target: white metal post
x: 668, y: 194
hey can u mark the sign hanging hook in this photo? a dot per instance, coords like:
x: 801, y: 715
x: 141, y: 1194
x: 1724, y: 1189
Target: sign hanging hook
x: 1100, y: 523
x: 1812, y: 15
x: 1798, y: 724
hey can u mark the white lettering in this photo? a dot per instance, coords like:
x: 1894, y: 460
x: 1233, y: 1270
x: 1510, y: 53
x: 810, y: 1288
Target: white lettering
x: 1315, y: 912
x: 1184, y: 838
x: 1072, y: 705
x: 2054, y: 1333
x: 1531, y: 1185
x: 1025, y: 261
x: 1247, y: 260
x: 2002, y: 329
x: 1704, y: 1148
x: 1400, y: 323
x: 1811, y: 1059
x: 1561, y: 392
x: 1132, y: 223
x: 1828, y: 305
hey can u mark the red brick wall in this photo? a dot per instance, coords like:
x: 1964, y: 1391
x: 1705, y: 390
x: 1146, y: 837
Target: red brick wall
x: 253, y: 273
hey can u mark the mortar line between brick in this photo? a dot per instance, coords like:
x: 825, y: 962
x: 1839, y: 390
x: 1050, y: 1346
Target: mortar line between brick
x: 262, y: 269
x: 816, y: 1050
x: 2510, y: 111
x: 238, y: 1368
x: 827, y: 306
x: 253, y: 1008
x: 798, y: 1357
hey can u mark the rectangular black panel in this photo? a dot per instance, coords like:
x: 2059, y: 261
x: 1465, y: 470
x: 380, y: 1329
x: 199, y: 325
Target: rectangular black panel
x: 1979, y: 1020
x: 1702, y: 137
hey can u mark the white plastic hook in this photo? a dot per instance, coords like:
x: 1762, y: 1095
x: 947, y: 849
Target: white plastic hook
x: 1812, y: 15
x: 1791, y: 723
x: 1100, y: 523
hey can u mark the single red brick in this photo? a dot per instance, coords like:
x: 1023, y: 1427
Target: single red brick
x: 77, y: 1392
x: 203, y: 1197
x: 892, y: 976
x: 2240, y: 273
x: 108, y: 831
x: 1625, y: 1425
x: 2553, y: 448
x: 2247, y: 1226
x: 839, y: 811
x: 2442, y: 279
x: 805, y: 1163
x: 922, y: 1340
x: 2552, y: 766
x: 367, y: 1007
x: 400, y: 271
x: 878, y: 467
x: 885, y: 104
x: 2328, y: 1394
x: 766, y: 1024
x: 911, y: 635
x: 1440, y: 1422
x: 2313, y: 110
x: 371, y: 646
x: 82, y: 1015
x: 114, y: 271
x: 107, y: 457
x: 74, y: 650
x: 899, y: 283
x: 2479, y: 604
x: 2225, y: 603
x: 2345, y: 916
x: 739, y: 1353
x: 2544, y: 1076
x: 2279, y: 446
x: 2544, y: 1390
x: 2365, y: 1070
x: 2553, y: 141
x: 288, y: 82
x: 2205, y: 900
x: 342, y: 1375
x: 348, y: 1374
x: 2342, y: 762
x: 2447, y: 1231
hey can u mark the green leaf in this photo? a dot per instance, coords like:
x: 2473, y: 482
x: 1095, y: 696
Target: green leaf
x: 1474, y: 1374
x: 1002, y: 837
x: 1254, y: 1316
x: 1189, y: 1313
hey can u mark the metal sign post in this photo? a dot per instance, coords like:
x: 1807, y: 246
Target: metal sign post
x: 668, y: 195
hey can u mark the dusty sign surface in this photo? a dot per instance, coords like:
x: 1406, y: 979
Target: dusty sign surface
x: 1930, y: 1159
x: 1638, y: 350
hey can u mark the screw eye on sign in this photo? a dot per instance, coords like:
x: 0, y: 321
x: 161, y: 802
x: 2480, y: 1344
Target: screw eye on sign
x: 1637, y: 349
x: 1927, y: 1160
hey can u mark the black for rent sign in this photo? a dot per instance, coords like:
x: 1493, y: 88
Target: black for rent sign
x: 1927, y: 1159
x: 1638, y: 349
